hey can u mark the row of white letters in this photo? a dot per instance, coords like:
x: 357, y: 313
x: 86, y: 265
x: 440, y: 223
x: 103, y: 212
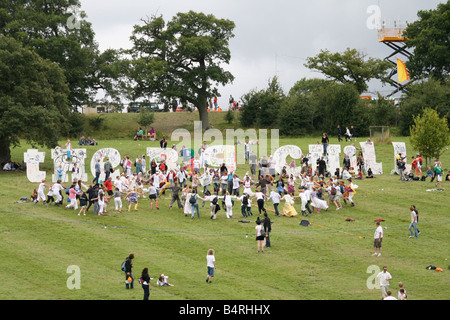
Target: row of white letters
x: 213, y: 156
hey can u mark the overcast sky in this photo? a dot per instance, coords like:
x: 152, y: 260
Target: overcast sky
x: 271, y: 37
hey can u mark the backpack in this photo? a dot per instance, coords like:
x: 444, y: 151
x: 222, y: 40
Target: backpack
x: 192, y: 199
x: 245, y: 201
x: 261, y: 231
x: 123, y: 268
x: 333, y: 191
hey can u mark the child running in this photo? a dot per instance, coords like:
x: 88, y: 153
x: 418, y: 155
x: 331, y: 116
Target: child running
x: 132, y: 198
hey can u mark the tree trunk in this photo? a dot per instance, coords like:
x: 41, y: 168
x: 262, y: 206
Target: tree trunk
x: 5, y: 153
x: 203, y: 112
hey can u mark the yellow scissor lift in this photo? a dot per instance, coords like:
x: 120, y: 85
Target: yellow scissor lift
x: 394, y: 39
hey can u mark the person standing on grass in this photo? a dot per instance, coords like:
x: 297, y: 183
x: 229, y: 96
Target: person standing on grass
x: 145, y: 282
x: 260, y: 235
x: 413, y: 224
x: 378, y: 238
x: 325, y: 141
x: 129, y: 284
x: 438, y: 173
x: 97, y: 172
x: 210, y: 265
x: 383, y: 279
x: 69, y: 150
x: 267, y: 229
x: 339, y: 132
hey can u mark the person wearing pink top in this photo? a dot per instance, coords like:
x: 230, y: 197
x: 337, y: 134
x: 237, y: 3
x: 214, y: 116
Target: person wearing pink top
x: 73, y: 198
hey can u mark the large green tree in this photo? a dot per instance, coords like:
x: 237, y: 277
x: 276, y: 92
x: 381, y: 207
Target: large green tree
x: 350, y: 66
x: 429, y: 38
x: 261, y: 107
x: 430, y: 93
x: 33, y: 98
x: 57, y: 30
x: 429, y: 134
x: 181, y: 59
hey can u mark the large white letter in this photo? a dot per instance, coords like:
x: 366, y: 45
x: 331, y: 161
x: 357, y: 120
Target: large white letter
x: 368, y: 150
x: 280, y: 155
x: 102, y: 154
x: 59, y: 157
x: 169, y: 155
x: 32, y: 158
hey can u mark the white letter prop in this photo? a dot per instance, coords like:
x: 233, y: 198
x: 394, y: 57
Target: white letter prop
x: 169, y: 155
x: 215, y: 156
x: 400, y: 147
x: 102, y: 154
x: 350, y: 151
x: 59, y: 157
x: 333, y: 152
x: 32, y: 158
x: 316, y: 151
x: 368, y: 150
x: 280, y: 155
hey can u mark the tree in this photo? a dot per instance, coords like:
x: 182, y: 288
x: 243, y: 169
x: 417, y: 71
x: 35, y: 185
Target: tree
x: 146, y: 118
x: 429, y: 134
x: 181, y: 59
x: 261, y: 108
x: 57, y: 31
x: 298, y: 111
x: 429, y: 37
x: 431, y: 93
x: 33, y: 98
x: 340, y: 104
x: 349, y: 67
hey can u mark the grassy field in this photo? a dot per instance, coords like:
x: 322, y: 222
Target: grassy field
x: 326, y: 261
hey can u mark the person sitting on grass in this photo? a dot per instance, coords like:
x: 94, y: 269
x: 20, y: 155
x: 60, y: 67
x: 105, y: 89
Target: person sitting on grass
x: 152, y: 134
x: 163, y: 281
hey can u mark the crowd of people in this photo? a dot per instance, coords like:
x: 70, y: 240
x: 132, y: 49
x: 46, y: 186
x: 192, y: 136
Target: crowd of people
x: 13, y: 166
x: 87, y: 141
x: 416, y: 172
x: 260, y: 190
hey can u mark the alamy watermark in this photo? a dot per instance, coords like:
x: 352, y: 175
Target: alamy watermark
x: 374, y: 20
x: 74, y: 21
x: 74, y: 280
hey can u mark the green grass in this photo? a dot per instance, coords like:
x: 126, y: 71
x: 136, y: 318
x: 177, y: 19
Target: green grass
x: 305, y: 263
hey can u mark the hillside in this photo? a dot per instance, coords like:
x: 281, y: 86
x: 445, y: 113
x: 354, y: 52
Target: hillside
x: 124, y: 125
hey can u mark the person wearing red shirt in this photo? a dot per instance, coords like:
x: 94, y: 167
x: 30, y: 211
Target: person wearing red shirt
x: 108, y: 185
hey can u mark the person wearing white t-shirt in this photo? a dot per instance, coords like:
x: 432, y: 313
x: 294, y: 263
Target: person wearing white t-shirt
x: 236, y: 185
x: 260, y: 197
x: 383, y: 280
x: 57, y: 187
x: 276, y: 198
x: 378, y: 238
x: 210, y: 265
x: 389, y: 296
x: 41, y: 195
x: 228, y: 204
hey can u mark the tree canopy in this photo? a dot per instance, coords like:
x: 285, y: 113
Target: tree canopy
x: 181, y: 59
x: 33, y: 98
x: 429, y: 133
x: 58, y: 31
x: 350, y: 66
x: 429, y: 37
